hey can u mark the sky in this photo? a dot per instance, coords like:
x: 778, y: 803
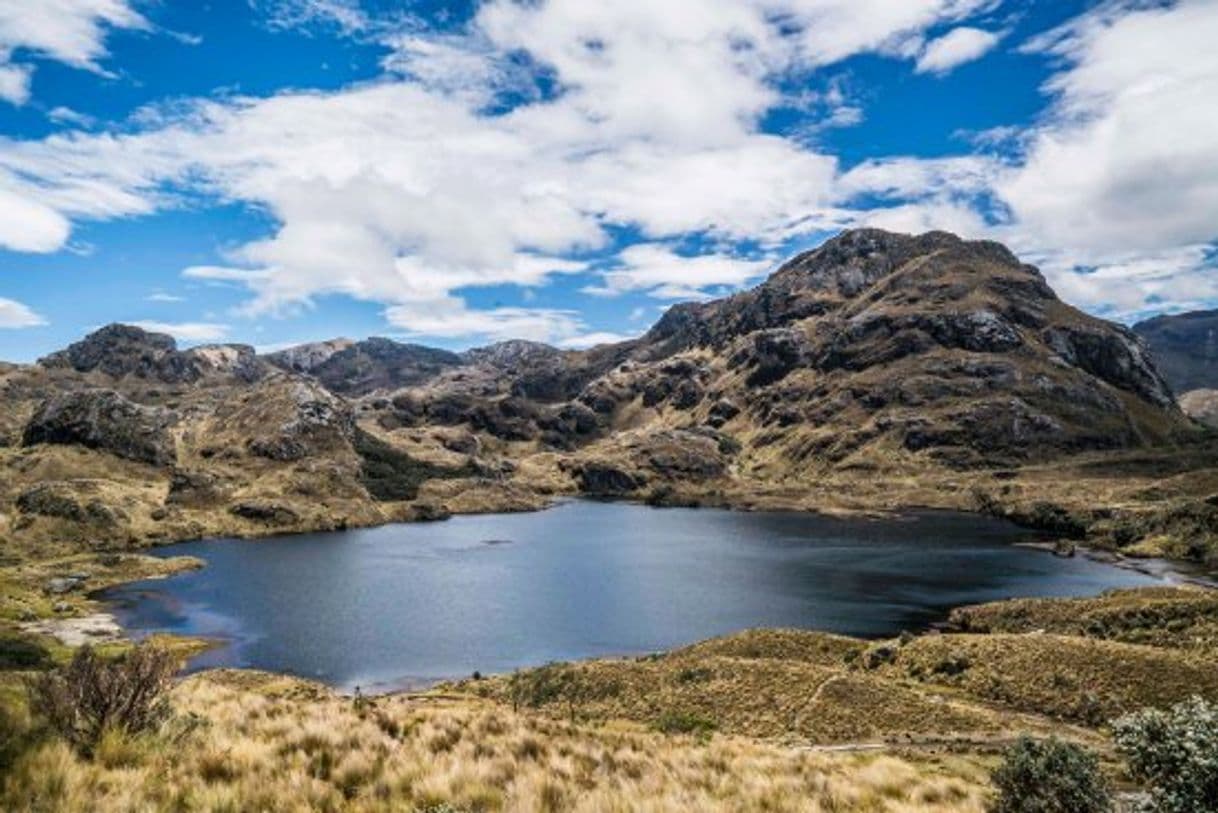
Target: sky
x: 454, y: 173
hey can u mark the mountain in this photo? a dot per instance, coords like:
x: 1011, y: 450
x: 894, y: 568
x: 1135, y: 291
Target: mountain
x: 358, y: 368
x: 874, y: 371
x: 1185, y: 348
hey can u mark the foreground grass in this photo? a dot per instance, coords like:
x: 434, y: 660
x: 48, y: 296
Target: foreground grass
x: 248, y: 742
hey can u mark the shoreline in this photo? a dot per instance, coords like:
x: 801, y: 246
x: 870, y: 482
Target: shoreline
x: 1168, y: 572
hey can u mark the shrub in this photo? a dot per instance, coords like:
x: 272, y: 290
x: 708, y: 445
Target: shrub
x: 1175, y: 752
x: 92, y: 694
x: 673, y: 722
x: 22, y: 653
x: 1049, y: 776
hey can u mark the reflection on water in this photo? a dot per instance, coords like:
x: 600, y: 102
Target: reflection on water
x: 418, y: 602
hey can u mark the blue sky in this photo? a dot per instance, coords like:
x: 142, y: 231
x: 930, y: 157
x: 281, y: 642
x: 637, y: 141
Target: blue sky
x: 279, y: 171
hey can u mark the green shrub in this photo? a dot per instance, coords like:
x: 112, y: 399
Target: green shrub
x: 675, y: 722
x: 92, y: 694
x: 1049, y: 776
x: 23, y: 654
x: 1175, y: 752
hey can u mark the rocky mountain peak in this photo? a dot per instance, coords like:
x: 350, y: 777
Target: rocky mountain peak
x: 304, y: 358
x: 512, y: 354
x: 119, y: 350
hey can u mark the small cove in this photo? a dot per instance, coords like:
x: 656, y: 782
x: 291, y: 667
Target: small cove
x: 410, y: 604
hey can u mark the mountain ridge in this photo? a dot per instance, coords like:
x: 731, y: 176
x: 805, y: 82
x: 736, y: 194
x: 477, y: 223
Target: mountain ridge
x: 875, y: 355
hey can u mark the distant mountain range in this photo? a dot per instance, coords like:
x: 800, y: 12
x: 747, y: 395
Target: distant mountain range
x: 877, y: 352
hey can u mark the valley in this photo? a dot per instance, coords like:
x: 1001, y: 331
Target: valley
x: 877, y: 375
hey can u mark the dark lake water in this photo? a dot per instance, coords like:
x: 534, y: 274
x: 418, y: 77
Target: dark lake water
x: 405, y: 604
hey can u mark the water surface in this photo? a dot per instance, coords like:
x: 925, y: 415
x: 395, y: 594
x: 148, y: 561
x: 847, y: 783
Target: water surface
x: 405, y: 604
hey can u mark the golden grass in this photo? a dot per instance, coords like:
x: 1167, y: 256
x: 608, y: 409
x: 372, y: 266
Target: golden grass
x: 278, y: 745
x: 1079, y: 679
x: 1179, y: 617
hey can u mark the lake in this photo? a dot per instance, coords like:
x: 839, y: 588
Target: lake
x: 403, y: 605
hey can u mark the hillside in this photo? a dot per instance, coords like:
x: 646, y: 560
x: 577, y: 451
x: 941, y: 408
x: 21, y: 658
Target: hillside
x: 876, y: 371
x: 1185, y: 348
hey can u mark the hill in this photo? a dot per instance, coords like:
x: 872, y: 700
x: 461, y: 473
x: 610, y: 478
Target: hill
x: 876, y: 371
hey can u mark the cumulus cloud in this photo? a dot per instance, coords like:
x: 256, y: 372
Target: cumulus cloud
x: 955, y: 48
x: 186, y: 331
x: 1125, y: 171
x: 69, y: 31
x: 13, y: 314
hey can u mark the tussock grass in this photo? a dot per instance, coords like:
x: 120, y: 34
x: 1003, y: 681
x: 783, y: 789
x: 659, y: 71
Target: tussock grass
x: 1083, y: 680
x: 1178, y: 617
x: 279, y: 745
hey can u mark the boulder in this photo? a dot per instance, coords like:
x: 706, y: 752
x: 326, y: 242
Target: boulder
x: 106, y: 421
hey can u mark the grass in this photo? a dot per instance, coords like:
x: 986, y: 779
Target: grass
x: 1183, y: 618
x: 279, y: 745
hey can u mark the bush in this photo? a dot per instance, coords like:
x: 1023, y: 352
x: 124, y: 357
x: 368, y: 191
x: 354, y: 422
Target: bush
x: 93, y: 695
x: 1176, y: 753
x: 1049, y: 776
x: 673, y: 722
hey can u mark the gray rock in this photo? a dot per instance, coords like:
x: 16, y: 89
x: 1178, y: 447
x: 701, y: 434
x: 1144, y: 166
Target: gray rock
x: 104, y: 420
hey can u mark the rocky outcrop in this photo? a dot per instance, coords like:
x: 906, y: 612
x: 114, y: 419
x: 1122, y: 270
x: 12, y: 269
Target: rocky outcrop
x: 266, y: 512
x: 1201, y: 406
x: 305, y: 358
x: 123, y: 350
x: 1113, y: 355
x: 1184, y: 348
x: 295, y: 419
x: 104, y: 420
x: 381, y: 364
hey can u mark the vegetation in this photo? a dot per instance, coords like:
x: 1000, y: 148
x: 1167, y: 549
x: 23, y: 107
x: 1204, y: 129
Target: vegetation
x: 275, y: 744
x: 94, y: 697
x: 391, y: 474
x: 1049, y: 776
x: 1175, y: 752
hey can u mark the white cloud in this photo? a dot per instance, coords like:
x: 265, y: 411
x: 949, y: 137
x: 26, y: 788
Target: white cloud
x: 15, y: 83
x: 66, y: 115
x: 161, y: 296
x: 1125, y: 170
x: 13, y: 314
x: 347, y: 15
x: 956, y: 47
x: 586, y: 340
x: 69, y: 31
x: 667, y: 275
x: 27, y: 225
x: 186, y: 331
x: 451, y: 318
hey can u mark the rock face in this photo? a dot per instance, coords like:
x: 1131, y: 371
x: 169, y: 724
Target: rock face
x: 105, y: 420
x: 122, y: 351
x: 305, y: 358
x: 1185, y: 348
x: 1201, y: 406
x: 381, y: 364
